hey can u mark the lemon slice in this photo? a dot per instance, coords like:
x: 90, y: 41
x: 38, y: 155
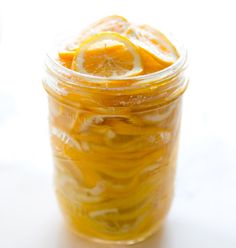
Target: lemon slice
x: 150, y: 62
x: 113, y: 23
x: 66, y: 58
x: 153, y: 41
x: 108, y: 55
x: 66, y: 55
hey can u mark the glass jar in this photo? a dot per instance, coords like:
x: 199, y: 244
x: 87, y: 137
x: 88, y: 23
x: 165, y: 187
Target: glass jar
x: 115, y: 146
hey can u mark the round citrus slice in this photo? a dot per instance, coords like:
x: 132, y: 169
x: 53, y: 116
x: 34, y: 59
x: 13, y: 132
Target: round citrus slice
x: 109, y: 55
x: 153, y: 41
x: 113, y: 23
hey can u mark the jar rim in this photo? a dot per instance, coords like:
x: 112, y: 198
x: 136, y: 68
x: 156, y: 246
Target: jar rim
x: 158, y: 76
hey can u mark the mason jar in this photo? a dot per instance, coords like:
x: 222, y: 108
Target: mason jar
x: 115, y: 145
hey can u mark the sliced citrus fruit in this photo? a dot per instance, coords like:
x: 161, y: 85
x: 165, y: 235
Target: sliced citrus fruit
x: 153, y: 41
x: 112, y: 23
x: 66, y: 57
x: 150, y: 62
x: 108, y: 54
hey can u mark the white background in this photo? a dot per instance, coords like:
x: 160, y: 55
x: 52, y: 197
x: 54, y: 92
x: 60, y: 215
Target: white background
x: 204, y: 211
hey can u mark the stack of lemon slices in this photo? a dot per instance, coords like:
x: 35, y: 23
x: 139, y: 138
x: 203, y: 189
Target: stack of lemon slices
x: 114, y: 48
x: 115, y: 150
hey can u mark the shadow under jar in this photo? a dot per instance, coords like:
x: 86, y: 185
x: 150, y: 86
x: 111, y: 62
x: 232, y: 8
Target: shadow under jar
x: 115, y: 146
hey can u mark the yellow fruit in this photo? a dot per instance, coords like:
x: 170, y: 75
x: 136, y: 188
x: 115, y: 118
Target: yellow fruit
x: 150, y: 62
x: 66, y: 58
x: 115, y: 143
x: 109, y: 55
x: 153, y: 41
x: 112, y: 23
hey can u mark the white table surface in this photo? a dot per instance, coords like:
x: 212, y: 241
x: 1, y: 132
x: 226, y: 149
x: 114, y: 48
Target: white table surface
x: 204, y: 210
